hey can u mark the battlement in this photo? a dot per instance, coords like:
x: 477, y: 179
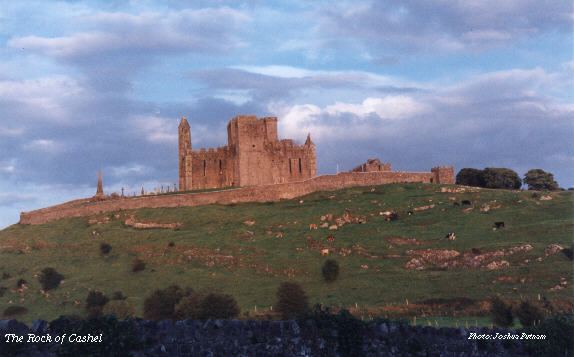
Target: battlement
x: 253, y: 156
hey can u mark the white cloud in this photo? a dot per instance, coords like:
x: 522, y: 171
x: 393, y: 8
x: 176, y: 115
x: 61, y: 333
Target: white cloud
x: 155, y: 129
x: 390, y: 107
x: 42, y: 98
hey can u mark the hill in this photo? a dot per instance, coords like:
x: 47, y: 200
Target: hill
x: 402, y: 266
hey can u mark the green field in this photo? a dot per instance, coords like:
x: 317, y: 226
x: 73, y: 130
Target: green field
x: 214, y: 249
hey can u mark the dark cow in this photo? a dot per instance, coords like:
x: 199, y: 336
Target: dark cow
x: 410, y: 213
x: 391, y: 217
x: 451, y: 236
x: 466, y: 202
x: 498, y: 225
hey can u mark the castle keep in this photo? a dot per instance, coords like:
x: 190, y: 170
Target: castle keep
x: 253, y: 156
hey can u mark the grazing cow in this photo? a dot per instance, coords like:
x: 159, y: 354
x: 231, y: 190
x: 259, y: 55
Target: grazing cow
x: 410, y: 213
x: 451, y: 236
x: 324, y: 251
x: 456, y: 204
x: 330, y: 238
x: 313, y: 226
x: 498, y: 225
x: 393, y: 216
x: 279, y: 235
x: 466, y: 202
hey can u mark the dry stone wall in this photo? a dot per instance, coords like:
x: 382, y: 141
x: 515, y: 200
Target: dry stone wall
x: 263, y: 193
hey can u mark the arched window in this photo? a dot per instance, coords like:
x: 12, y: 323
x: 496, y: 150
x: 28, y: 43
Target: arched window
x: 300, y: 168
x: 204, y: 167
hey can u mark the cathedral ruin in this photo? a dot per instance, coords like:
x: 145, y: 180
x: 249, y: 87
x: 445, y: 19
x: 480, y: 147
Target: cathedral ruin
x: 253, y: 156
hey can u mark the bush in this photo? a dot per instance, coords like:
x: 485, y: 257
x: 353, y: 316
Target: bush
x: 95, y: 303
x: 12, y: 311
x: 291, y: 300
x: 218, y: 306
x: 529, y: 315
x: 120, y: 309
x: 3, y: 290
x: 119, y: 337
x: 50, y: 279
x: 568, y: 252
x: 138, y: 265
x: 160, y: 305
x: 118, y: 295
x: 171, y: 244
x: 330, y: 270
x: 350, y: 330
x: 20, y: 283
x: 189, y: 307
x: 105, y: 248
x: 501, y: 313
x: 5, y: 276
x: 559, y: 337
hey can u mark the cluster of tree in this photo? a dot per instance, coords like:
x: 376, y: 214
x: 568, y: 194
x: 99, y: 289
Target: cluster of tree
x: 504, y: 178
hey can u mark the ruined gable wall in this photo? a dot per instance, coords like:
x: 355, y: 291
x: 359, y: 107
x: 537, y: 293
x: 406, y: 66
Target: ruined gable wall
x: 264, y: 193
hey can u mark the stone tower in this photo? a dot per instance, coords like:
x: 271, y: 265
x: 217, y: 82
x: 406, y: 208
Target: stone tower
x: 100, y: 190
x: 184, y: 139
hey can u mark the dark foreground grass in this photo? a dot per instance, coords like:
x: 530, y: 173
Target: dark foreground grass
x: 215, y: 249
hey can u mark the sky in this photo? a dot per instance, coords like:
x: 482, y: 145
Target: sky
x: 101, y: 85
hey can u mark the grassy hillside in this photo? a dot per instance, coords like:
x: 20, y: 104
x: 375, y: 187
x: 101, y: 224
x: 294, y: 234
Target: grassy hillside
x: 216, y: 247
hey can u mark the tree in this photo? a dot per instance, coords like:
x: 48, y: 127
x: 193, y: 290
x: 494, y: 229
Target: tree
x: 218, y: 306
x: 538, y: 179
x: 470, y: 177
x: 330, y: 270
x: 160, y: 305
x: 501, y: 312
x: 529, y: 315
x: 50, y: 278
x: 291, y: 300
x: 501, y: 178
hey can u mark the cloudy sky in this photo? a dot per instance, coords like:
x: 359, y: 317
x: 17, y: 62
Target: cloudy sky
x: 98, y: 84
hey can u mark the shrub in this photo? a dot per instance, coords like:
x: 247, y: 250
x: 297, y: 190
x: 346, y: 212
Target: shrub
x: 3, y: 290
x: 189, y: 307
x: 138, y: 265
x: 120, y: 337
x: 160, y: 305
x: 330, y: 270
x: 501, y: 313
x: 50, y: 279
x: 350, y: 330
x: 568, y: 252
x: 21, y: 282
x: 559, y: 337
x: 171, y: 244
x: 5, y: 276
x: 291, y: 300
x: 121, y: 309
x: 529, y: 315
x: 118, y: 295
x: 105, y: 248
x: 218, y: 306
x: 15, y: 310
x: 95, y: 303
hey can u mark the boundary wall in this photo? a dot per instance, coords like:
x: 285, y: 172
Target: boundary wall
x: 264, y: 193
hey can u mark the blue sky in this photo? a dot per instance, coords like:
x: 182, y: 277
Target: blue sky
x: 89, y: 85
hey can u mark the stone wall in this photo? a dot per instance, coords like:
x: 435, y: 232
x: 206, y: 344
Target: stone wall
x: 277, y: 338
x: 263, y: 193
x: 253, y: 156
